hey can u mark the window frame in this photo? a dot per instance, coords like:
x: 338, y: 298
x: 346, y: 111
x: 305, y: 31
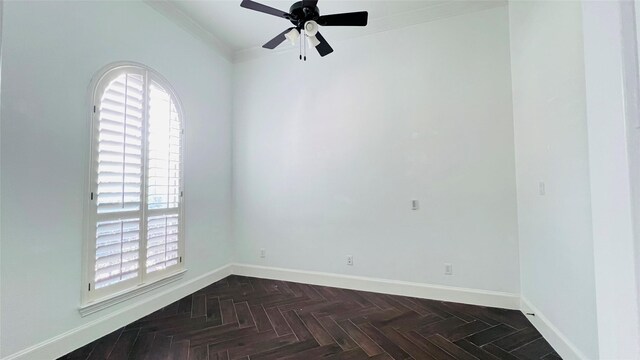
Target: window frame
x: 96, y: 299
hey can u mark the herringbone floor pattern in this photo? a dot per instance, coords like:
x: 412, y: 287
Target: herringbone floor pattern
x: 250, y: 318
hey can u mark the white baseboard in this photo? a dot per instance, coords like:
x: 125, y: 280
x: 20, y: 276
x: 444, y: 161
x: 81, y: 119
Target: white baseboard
x: 72, y: 339
x: 561, y: 344
x: 404, y: 288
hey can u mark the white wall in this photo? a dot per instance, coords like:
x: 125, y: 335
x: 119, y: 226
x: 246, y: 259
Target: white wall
x: 549, y: 107
x: 614, y: 140
x: 1, y: 17
x: 329, y: 153
x: 50, y: 52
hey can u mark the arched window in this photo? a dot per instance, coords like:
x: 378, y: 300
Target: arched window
x: 135, y: 208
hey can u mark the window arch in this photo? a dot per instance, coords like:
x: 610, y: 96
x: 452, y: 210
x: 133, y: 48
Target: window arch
x: 135, y: 230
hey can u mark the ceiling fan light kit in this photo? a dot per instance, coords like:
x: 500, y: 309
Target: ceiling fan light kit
x: 306, y: 18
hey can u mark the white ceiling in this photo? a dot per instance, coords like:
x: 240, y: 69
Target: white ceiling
x: 239, y: 33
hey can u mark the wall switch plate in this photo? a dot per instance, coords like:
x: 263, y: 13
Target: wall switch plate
x: 541, y: 188
x: 448, y: 269
x: 415, y: 205
x: 350, y: 260
x: 263, y: 253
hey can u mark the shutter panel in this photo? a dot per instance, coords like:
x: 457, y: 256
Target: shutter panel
x: 119, y: 180
x: 164, y: 150
x: 163, y: 180
x: 120, y: 145
x: 162, y: 242
x: 117, y: 251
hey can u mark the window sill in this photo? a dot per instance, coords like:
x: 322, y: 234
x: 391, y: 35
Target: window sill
x: 101, y: 304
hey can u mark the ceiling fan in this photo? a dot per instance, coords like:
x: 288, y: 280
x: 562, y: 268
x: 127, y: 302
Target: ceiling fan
x: 305, y: 16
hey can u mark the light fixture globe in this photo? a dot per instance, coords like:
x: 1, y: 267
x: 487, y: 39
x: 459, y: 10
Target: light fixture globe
x: 313, y: 41
x: 311, y: 28
x: 292, y: 36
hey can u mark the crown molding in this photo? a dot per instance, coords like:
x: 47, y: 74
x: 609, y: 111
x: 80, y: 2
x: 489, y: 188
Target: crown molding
x: 171, y: 12
x: 436, y: 11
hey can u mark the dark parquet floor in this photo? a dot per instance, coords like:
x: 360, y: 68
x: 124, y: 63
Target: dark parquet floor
x: 257, y: 319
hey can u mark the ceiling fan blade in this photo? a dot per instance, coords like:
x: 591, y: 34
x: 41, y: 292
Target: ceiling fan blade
x: 323, y: 48
x: 346, y: 19
x: 273, y: 43
x: 252, y: 5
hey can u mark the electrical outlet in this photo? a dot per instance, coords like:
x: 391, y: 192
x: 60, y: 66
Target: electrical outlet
x: 263, y: 253
x: 448, y: 269
x: 541, y: 188
x: 415, y: 205
x: 350, y: 260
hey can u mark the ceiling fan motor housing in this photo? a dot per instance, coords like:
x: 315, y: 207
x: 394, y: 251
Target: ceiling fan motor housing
x: 301, y: 14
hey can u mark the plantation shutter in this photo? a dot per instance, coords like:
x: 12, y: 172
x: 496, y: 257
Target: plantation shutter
x: 136, y: 182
